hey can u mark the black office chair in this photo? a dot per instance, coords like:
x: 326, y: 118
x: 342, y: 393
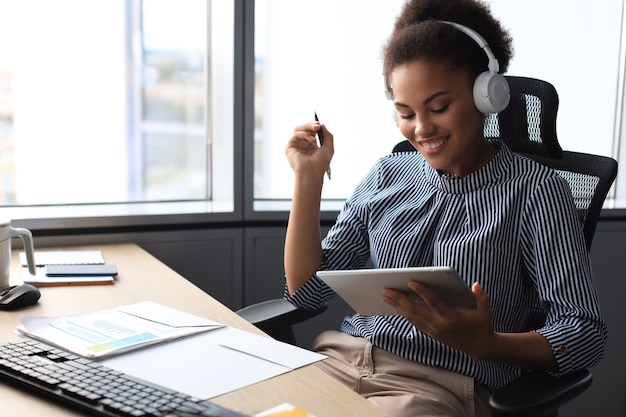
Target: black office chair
x: 528, y: 127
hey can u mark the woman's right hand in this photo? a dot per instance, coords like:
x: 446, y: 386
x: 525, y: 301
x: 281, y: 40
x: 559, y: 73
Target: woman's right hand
x: 303, y: 153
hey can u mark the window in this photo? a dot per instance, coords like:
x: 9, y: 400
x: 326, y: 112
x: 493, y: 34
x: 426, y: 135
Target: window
x: 337, y: 72
x: 139, y: 107
x: 117, y: 102
x: 329, y: 63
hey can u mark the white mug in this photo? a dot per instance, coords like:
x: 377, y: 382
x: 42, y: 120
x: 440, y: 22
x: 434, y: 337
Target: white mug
x: 7, y: 232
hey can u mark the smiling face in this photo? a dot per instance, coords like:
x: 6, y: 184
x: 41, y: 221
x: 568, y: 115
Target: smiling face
x: 436, y: 113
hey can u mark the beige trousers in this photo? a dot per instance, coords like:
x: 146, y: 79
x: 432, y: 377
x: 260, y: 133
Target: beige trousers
x: 397, y: 385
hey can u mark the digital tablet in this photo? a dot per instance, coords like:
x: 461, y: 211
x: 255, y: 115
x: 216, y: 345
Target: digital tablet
x: 362, y: 289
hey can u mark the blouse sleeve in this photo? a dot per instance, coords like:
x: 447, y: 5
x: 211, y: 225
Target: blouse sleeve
x: 558, y: 261
x: 346, y: 245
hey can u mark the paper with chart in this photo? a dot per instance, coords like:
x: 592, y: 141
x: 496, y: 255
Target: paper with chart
x: 104, y: 333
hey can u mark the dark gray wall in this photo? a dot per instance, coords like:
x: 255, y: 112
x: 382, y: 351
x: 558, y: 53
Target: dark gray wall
x: 606, y: 395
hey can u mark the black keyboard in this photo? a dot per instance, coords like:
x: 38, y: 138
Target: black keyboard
x: 94, y: 388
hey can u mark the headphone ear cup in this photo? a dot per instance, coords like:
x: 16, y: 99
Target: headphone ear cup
x: 491, y: 93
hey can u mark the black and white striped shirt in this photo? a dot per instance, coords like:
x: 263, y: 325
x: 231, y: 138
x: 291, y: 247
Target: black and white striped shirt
x: 511, y: 226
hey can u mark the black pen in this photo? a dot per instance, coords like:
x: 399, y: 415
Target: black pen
x: 320, y: 138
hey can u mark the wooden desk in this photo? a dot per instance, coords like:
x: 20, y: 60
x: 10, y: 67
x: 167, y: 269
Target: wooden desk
x: 143, y: 278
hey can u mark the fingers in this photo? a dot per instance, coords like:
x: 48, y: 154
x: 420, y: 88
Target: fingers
x: 482, y: 299
x: 426, y: 299
x: 328, y: 141
x: 432, y: 301
x: 304, y: 154
x: 393, y: 298
x: 309, y: 130
x: 305, y: 133
x: 403, y: 303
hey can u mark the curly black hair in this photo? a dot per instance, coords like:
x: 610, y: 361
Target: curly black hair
x: 419, y: 34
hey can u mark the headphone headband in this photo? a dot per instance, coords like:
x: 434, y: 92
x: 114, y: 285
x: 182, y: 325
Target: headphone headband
x: 493, y: 65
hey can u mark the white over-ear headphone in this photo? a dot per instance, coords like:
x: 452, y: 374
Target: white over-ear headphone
x: 491, y: 90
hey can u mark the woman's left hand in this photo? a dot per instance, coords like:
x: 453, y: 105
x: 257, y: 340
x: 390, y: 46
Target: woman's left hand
x: 466, y: 330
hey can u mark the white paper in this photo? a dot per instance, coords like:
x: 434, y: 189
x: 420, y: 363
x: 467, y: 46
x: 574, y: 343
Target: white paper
x: 103, y: 333
x: 207, y: 365
x: 269, y: 349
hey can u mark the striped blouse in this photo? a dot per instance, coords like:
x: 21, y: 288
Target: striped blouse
x: 511, y: 226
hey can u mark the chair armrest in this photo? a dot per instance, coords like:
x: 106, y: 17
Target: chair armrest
x: 538, y: 393
x: 277, y: 313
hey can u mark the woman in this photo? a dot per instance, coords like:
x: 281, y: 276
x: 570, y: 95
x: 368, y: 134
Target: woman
x: 507, y: 224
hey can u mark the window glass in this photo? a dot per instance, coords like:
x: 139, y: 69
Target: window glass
x: 330, y: 62
x: 173, y: 91
x: 570, y: 44
x: 113, y: 102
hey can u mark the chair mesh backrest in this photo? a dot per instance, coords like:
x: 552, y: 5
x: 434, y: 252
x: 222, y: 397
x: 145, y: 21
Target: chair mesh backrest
x: 583, y: 187
x: 528, y: 124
